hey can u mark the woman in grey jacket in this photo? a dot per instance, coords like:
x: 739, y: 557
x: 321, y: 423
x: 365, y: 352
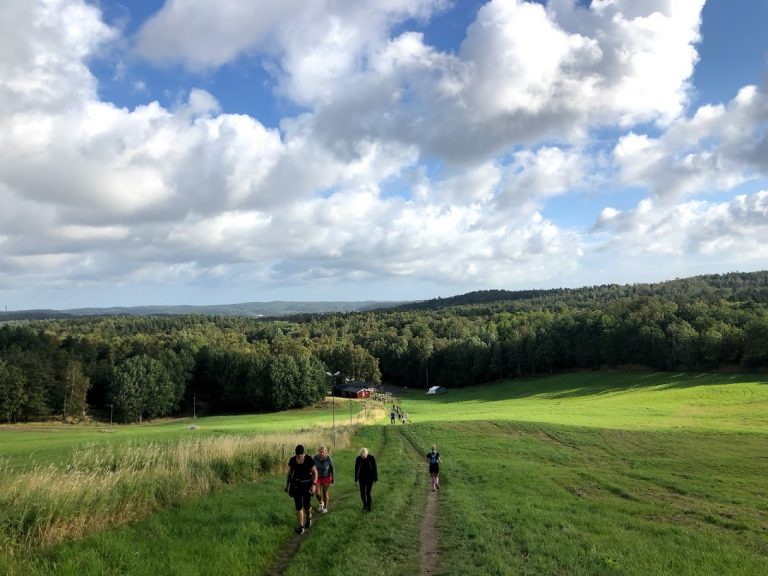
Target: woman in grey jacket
x: 325, y: 472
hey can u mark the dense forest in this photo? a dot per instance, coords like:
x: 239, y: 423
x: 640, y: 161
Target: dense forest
x: 147, y: 367
x: 249, y: 309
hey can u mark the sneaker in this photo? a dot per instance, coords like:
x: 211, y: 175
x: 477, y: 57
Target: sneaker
x: 324, y: 510
x: 308, y: 523
x: 299, y: 530
x: 320, y: 508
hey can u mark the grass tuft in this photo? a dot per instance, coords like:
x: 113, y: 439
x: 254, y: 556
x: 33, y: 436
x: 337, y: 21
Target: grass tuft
x: 105, y: 486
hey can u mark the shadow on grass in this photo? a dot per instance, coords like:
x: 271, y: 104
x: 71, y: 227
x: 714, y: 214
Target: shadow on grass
x: 589, y: 383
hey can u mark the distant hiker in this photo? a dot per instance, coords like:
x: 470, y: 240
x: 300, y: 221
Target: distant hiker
x: 325, y: 472
x: 433, y: 457
x: 392, y: 416
x: 302, y: 478
x: 366, y: 474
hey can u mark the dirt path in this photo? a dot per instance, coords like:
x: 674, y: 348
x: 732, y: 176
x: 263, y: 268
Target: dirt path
x: 428, y: 553
x: 428, y: 540
x: 292, y: 546
x: 290, y: 549
x: 286, y: 554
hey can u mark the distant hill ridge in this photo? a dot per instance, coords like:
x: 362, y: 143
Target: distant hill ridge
x: 732, y: 286
x: 248, y: 309
x: 751, y: 286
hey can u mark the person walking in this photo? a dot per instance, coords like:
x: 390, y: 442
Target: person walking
x: 301, y: 484
x: 325, y: 472
x: 433, y: 457
x: 366, y: 474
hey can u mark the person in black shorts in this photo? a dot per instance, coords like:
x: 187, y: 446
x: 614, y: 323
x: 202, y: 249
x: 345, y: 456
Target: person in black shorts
x: 433, y: 457
x: 301, y: 483
x: 366, y: 474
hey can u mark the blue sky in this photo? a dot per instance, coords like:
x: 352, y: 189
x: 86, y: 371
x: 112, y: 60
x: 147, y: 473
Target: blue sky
x: 214, y: 152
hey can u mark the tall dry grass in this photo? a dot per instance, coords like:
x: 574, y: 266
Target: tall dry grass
x: 105, y: 486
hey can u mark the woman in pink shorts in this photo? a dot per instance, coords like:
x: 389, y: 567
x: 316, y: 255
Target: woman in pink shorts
x: 324, y: 465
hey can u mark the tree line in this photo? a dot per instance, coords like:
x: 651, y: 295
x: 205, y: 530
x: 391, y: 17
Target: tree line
x: 144, y: 368
x: 147, y: 367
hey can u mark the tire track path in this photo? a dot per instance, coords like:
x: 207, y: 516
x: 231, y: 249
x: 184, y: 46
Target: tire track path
x: 428, y: 552
x: 294, y: 543
x: 288, y: 551
x: 428, y: 541
x: 429, y: 555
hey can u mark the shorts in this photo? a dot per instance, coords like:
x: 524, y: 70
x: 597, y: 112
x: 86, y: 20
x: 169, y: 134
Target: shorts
x: 301, y: 496
x: 325, y: 481
x: 434, y: 468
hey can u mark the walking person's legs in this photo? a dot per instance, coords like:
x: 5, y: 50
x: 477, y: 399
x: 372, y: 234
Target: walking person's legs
x: 363, y: 494
x: 307, y: 503
x: 299, y: 505
x: 368, y: 486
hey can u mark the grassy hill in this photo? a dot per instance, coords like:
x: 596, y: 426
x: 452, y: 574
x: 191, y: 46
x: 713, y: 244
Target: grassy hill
x: 587, y: 473
x: 616, y: 400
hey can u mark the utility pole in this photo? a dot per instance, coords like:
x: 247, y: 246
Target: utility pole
x: 333, y: 402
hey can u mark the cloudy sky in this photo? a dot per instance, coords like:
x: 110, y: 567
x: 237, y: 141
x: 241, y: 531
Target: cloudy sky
x: 220, y: 151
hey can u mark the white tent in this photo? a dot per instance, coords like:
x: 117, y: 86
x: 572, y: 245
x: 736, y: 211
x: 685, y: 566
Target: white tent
x: 436, y: 390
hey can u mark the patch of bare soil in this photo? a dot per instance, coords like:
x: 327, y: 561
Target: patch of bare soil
x: 429, y: 556
x: 428, y: 553
x: 289, y: 550
x: 286, y: 555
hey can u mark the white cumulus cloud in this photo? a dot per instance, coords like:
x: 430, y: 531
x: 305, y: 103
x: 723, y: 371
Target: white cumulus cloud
x: 399, y: 161
x: 718, y: 148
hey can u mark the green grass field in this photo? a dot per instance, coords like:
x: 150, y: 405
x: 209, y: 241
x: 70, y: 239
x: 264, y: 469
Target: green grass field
x: 621, y: 400
x: 53, y: 443
x: 584, y: 473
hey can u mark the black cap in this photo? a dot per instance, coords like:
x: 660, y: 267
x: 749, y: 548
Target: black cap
x: 299, y: 449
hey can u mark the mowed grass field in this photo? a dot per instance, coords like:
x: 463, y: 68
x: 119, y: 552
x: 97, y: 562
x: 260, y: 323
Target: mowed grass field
x: 620, y: 400
x: 584, y: 473
x: 27, y: 446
